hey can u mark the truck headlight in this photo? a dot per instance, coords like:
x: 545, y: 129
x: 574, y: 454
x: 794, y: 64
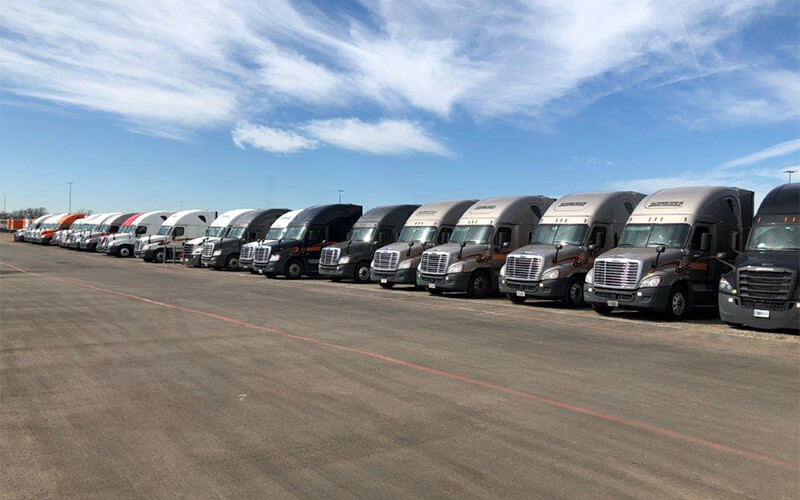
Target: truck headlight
x: 503, y: 271
x: 275, y: 258
x: 406, y: 264
x: 551, y: 274
x: 456, y: 268
x: 725, y: 286
x: 650, y: 282
x: 344, y: 260
x: 589, y: 277
x: 217, y: 253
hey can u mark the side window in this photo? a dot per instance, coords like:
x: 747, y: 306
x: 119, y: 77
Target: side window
x: 536, y: 211
x: 385, y: 236
x: 178, y: 231
x: 598, y: 230
x: 699, y: 231
x: 141, y: 230
x: 315, y: 235
x: 252, y: 235
x: 628, y: 207
x: 503, y: 235
x: 444, y: 236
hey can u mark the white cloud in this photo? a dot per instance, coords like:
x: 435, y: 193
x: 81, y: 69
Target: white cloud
x: 381, y: 137
x: 775, y: 151
x: 270, y: 139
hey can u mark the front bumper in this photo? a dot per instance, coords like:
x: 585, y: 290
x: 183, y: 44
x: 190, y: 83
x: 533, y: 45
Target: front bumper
x: 648, y: 299
x: 400, y: 277
x: 338, y: 271
x: 548, y: 289
x: 246, y: 264
x: 217, y: 261
x: 269, y: 267
x: 453, y: 282
x: 193, y: 260
x: 733, y: 312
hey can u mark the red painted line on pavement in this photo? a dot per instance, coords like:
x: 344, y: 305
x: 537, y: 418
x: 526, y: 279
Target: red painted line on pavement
x: 636, y: 424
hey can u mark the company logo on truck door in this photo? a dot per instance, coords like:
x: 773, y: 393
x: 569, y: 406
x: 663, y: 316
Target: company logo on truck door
x: 660, y: 204
x: 572, y: 204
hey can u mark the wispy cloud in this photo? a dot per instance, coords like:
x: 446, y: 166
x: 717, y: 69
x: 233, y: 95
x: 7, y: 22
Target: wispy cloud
x: 270, y: 139
x: 381, y: 137
x: 170, y: 68
x: 775, y: 151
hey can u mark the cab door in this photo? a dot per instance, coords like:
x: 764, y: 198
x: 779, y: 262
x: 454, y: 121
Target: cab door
x: 703, y: 269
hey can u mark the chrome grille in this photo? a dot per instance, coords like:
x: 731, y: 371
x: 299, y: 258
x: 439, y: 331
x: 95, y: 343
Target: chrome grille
x: 329, y: 256
x: 248, y: 251
x: 208, y: 249
x: 262, y: 254
x: 139, y: 245
x: 188, y: 248
x: 763, y: 284
x: 524, y: 267
x: 386, y: 260
x: 434, y: 262
x: 617, y: 273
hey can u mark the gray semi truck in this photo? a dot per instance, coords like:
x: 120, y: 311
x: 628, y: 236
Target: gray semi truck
x: 761, y: 288
x: 572, y: 233
x: 429, y: 225
x: 297, y: 253
x: 666, y: 257
x: 377, y: 228
x: 223, y: 252
x: 487, y: 232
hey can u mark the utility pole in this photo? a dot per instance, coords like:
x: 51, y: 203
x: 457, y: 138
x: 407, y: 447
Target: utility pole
x: 4, y: 203
x: 340, y: 194
x: 70, y: 196
x: 181, y: 206
x: 790, y: 172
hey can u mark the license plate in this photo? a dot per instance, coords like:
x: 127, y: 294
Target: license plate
x: 760, y: 313
x: 431, y: 285
x: 520, y: 293
x: 384, y: 280
x: 613, y: 303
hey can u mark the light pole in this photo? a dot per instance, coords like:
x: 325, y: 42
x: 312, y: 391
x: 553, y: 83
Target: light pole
x: 70, y: 195
x: 4, y: 203
x: 181, y: 206
x: 790, y: 172
x: 340, y: 194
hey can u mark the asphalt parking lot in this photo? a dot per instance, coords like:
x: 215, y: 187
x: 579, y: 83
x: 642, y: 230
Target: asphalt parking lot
x: 125, y: 379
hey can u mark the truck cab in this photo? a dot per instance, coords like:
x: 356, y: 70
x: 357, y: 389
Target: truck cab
x: 760, y: 290
x: 571, y: 234
x: 63, y: 224
x: 109, y: 226
x: 177, y: 229
x: 487, y: 232
x: 48, y: 227
x: 193, y: 249
x: 59, y: 235
x: 90, y: 223
x: 274, y: 233
x: 23, y: 234
x: 223, y: 253
x: 121, y: 244
x: 102, y: 245
x: 666, y: 257
x: 428, y: 226
x: 351, y: 259
x: 297, y: 253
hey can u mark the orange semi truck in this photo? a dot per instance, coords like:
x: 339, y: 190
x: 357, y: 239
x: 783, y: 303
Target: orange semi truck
x: 63, y: 223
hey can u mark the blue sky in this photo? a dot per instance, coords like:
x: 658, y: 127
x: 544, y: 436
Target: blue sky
x: 221, y: 105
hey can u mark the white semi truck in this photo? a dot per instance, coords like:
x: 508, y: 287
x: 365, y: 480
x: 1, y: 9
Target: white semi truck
x: 177, y: 229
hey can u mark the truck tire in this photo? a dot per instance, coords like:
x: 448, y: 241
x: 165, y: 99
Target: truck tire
x: 515, y: 298
x: 232, y: 262
x: 677, y: 304
x: 293, y: 269
x: 124, y: 251
x: 479, y: 285
x: 386, y: 285
x: 252, y: 271
x: 160, y: 256
x: 601, y: 309
x: 574, y: 294
x: 361, y: 274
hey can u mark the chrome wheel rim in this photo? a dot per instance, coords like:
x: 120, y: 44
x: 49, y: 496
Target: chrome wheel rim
x: 294, y: 269
x: 363, y: 273
x: 576, y: 293
x: 678, y: 304
x: 479, y: 285
x: 124, y: 251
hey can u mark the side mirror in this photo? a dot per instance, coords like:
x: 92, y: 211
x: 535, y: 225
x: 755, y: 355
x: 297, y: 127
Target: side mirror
x: 461, y: 249
x: 600, y: 240
x: 705, y: 242
x: 506, y: 244
x: 735, y: 241
x: 659, y: 250
x: 722, y: 255
x: 593, y: 248
x: 559, y: 246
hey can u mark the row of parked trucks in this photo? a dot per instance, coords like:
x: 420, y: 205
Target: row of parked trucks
x: 672, y: 251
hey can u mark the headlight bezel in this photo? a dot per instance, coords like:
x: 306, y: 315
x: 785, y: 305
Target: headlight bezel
x: 551, y: 274
x: 652, y: 281
x: 406, y: 264
x: 455, y: 268
x: 589, y: 278
x: 725, y: 286
x: 345, y: 259
x: 275, y: 257
x: 217, y: 253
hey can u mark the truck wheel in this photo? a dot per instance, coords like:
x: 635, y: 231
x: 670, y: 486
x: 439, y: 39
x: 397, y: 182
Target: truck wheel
x: 574, y: 295
x: 515, y: 298
x: 160, y: 256
x: 601, y: 309
x: 294, y: 269
x: 253, y: 271
x: 361, y: 274
x: 386, y: 285
x: 677, y: 304
x: 232, y: 262
x: 478, y: 286
x: 124, y: 251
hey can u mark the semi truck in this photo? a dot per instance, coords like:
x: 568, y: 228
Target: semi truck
x: 63, y: 223
x: 61, y: 237
x: 109, y: 226
x: 429, y: 225
x: 121, y: 244
x: 224, y: 252
x: 760, y: 289
x: 377, y: 228
x: 297, y: 252
x: 102, y: 245
x: 193, y: 249
x: 274, y: 233
x: 177, y: 229
x: 50, y: 225
x: 21, y: 234
x: 666, y: 257
x: 572, y: 233
x: 487, y: 232
x: 91, y: 223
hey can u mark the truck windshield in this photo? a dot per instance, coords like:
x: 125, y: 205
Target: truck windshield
x: 295, y: 233
x: 361, y: 234
x: 275, y: 233
x: 235, y: 232
x: 471, y: 234
x: 784, y: 237
x: 103, y: 228
x: 163, y: 230
x: 215, y: 231
x: 566, y: 234
x: 422, y: 234
x: 125, y: 229
x: 653, y: 235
